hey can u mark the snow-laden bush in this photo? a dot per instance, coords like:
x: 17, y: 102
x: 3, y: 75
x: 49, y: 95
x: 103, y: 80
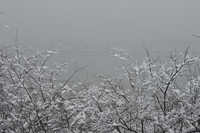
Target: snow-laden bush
x: 31, y: 98
x: 149, y: 96
x: 153, y: 97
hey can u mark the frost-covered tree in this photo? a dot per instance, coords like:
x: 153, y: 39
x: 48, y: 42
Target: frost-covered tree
x: 153, y: 96
x: 31, y: 99
x: 148, y: 96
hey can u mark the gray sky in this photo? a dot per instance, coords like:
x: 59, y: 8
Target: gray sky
x: 102, y: 20
x: 155, y: 23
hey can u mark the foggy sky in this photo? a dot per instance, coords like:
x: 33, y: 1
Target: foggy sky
x: 102, y: 20
x: 158, y: 24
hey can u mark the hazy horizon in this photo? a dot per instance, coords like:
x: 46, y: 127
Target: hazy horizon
x: 101, y: 25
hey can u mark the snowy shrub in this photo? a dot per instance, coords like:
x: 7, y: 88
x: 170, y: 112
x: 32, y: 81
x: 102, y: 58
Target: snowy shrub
x: 149, y: 96
x: 31, y: 100
x: 153, y: 96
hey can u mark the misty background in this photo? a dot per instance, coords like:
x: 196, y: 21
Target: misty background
x: 88, y: 29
